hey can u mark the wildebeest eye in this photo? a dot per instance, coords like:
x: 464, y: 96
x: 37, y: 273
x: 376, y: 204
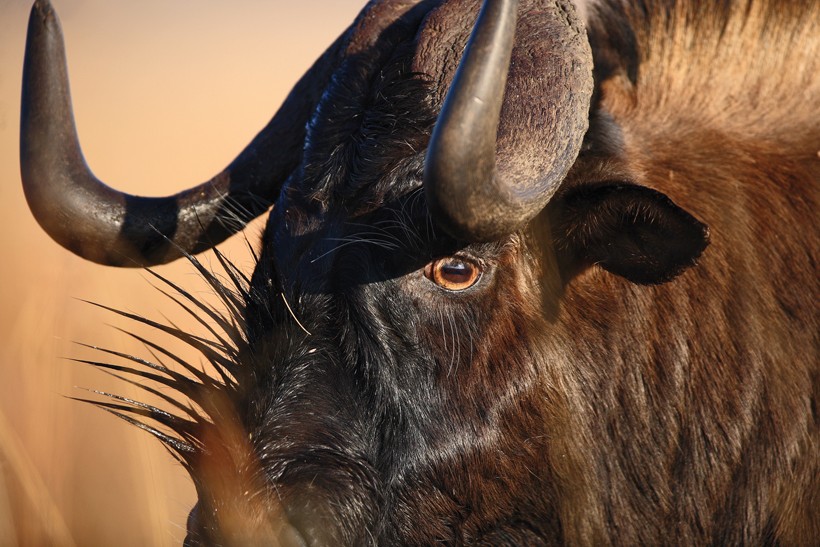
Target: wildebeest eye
x: 453, y: 273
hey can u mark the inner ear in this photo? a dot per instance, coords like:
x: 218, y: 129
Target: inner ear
x: 632, y: 231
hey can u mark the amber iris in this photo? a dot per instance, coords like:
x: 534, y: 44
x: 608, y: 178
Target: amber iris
x: 452, y: 273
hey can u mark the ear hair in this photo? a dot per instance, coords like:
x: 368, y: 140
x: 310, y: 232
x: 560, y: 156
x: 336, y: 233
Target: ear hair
x: 632, y: 231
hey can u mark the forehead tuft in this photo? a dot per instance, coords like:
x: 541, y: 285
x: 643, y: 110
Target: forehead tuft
x: 368, y: 136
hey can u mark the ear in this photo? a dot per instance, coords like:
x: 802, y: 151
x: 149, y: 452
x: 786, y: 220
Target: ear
x: 631, y: 231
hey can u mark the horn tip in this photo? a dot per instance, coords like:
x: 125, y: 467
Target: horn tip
x: 43, y: 9
x: 43, y: 23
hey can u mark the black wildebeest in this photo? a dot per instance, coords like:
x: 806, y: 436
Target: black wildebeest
x: 487, y: 308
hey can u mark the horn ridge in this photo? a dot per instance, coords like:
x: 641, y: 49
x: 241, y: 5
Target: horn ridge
x: 484, y: 176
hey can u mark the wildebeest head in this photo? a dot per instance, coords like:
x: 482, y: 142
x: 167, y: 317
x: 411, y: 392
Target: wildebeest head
x: 423, y: 224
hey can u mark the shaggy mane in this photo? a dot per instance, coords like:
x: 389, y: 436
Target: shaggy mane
x: 675, y: 58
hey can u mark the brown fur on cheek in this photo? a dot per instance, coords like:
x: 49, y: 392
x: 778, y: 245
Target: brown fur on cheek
x: 504, y: 408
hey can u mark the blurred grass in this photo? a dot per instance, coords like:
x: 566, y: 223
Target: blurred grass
x: 166, y: 93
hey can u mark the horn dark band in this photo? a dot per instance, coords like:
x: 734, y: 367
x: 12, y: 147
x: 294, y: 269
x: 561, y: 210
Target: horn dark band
x: 110, y: 227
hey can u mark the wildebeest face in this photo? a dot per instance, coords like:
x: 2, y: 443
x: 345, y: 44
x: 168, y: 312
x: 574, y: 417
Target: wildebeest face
x: 386, y: 337
x: 372, y: 328
x: 430, y: 349
x: 377, y: 331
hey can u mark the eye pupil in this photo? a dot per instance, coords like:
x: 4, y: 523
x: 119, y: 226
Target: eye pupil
x: 453, y: 274
x: 457, y: 272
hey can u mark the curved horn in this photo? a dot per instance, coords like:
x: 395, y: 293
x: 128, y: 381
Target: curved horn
x: 470, y: 192
x: 110, y: 227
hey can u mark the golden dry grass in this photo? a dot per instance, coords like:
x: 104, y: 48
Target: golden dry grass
x: 165, y: 93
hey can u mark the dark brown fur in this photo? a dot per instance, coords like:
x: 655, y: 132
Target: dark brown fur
x: 621, y: 374
x: 696, y: 401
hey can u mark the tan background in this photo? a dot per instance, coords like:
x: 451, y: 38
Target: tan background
x: 165, y: 94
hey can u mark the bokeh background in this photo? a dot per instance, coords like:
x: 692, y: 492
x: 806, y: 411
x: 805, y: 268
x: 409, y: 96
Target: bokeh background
x: 166, y: 93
